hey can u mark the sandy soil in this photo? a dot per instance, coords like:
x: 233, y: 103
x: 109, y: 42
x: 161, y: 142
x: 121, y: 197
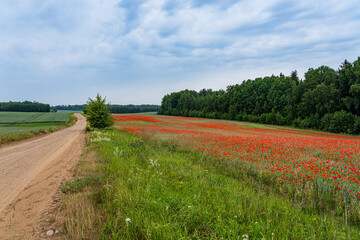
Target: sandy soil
x: 30, y: 174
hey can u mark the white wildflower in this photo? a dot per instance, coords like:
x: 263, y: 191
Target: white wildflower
x: 98, y: 136
x: 154, y: 163
x: 117, y: 152
x: 245, y: 237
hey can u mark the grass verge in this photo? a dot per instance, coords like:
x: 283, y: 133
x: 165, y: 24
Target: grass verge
x: 30, y: 133
x: 153, y: 190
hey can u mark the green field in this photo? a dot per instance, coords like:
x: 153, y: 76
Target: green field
x: 21, y: 128
x: 23, y: 122
x: 33, y: 117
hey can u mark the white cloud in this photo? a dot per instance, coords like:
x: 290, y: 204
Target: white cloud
x: 87, y: 41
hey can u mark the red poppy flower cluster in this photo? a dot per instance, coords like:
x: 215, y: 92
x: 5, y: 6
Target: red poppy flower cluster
x: 299, y: 159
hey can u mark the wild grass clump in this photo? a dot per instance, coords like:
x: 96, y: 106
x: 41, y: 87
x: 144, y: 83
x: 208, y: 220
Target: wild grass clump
x: 79, y: 184
x: 155, y: 190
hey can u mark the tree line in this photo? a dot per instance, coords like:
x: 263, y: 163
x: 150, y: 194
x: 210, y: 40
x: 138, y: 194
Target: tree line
x: 326, y: 99
x: 114, y: 108
x: 69, y: 107
x: 133, y: 108
x: 25, y: 106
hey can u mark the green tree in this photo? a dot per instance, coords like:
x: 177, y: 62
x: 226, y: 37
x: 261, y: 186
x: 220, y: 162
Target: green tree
x: 98, y: 114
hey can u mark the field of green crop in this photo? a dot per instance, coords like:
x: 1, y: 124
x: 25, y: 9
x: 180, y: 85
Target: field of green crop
x: 14, y: 123
x: 21, y: 128
x: 33, y: 117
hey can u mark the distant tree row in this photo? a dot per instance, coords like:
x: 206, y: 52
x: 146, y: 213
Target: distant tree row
x: 114, y: 108
x: 133, y: 108
x: 326, y: 99
x: 26, y: 106
x: 69, y: 107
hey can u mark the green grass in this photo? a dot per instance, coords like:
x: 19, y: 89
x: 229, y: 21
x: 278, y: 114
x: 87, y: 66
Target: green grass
x: 32, y: 117
x: 255, y: 125
x: 154, y: 190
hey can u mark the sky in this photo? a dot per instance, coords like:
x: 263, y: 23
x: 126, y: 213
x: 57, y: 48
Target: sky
x: 135, y: 52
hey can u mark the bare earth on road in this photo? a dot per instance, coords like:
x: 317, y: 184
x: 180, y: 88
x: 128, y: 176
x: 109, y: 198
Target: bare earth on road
x: 30, y: 174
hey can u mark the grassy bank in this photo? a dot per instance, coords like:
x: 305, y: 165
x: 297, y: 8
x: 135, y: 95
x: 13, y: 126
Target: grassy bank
x: 129, y: 187
x: 12, y: 133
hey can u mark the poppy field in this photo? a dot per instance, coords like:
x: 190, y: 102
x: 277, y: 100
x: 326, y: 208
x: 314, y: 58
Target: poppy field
x: 312, y: 167
x: 161, y: 177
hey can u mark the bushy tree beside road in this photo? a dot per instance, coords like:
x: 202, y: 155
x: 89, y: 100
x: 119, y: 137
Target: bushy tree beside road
x: 98, y: 114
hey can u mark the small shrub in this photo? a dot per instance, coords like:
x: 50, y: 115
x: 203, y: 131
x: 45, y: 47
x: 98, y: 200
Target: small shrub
x: 98, y: 114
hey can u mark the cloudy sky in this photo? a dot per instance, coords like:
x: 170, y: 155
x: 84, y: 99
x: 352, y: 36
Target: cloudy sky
x: 133, y: 51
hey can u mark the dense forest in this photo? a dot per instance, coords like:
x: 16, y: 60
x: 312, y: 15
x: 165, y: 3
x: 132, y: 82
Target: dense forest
x: 133, y: 108
x: 326, y: 99
x: 114, y: 108
x: 25, y: 106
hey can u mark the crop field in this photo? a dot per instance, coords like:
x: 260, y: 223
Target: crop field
x: 317, y: 167
x: 15, y: 126
x: 32, y: 117
x: 21, y: 128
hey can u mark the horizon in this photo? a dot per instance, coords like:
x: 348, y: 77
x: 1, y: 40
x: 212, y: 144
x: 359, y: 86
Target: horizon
x: 62, y: 53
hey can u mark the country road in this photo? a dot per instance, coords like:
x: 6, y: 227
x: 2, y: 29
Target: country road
x: 30, y: 174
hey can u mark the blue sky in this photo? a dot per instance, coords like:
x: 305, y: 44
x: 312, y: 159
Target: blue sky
x: 132, y: 51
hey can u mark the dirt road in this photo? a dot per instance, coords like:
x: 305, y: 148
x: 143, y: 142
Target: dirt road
x: 30, y: 174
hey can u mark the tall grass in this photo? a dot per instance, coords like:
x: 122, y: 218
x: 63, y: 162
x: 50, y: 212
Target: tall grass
x: 154, y: 190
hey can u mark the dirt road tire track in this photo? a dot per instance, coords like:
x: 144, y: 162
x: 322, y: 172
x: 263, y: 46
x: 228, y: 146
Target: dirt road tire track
x: 31, y: 173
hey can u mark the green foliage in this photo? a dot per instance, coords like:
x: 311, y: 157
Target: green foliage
x: 134, y: 108
x: 98, y: 114
x: 338, y: 122
x: 281, y: 100
x: 25, y: 106
x: 85, y: 110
